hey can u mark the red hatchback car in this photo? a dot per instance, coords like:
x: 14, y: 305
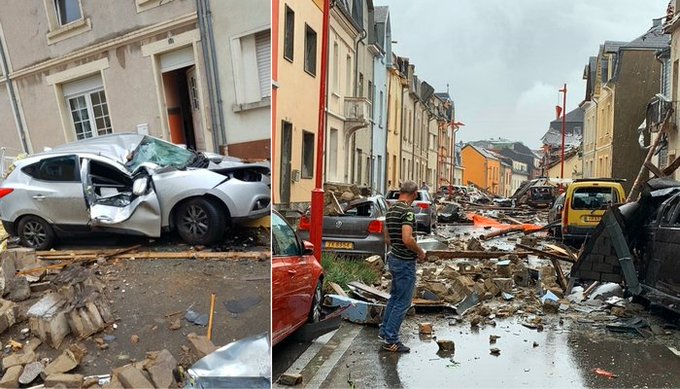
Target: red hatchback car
x: 297, y: 281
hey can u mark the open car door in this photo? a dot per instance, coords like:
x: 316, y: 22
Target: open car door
x: 115, y: 200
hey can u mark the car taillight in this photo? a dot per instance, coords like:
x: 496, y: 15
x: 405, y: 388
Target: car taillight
x: 565, y: 216
x: 375, y: 227
x: 304, y: 224
x: 5, y: 191
x: 424, y: 205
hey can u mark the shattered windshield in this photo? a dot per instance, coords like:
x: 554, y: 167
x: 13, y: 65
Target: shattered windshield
x: 160, y: 153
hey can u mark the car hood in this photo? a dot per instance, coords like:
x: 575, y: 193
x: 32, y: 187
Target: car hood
x: 118, y: 147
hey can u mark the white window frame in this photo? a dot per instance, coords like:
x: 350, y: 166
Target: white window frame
x: 87, y: 94
x: 59, y: 32
x: 242, y: 68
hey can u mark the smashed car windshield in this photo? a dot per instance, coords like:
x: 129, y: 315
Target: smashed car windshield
x: 160, y: 153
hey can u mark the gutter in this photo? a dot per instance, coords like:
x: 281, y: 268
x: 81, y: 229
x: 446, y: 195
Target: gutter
x: 212, y: 76
x: 13, y: 98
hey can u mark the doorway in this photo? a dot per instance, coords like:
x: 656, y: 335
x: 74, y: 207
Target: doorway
x: 286, y: 156
x: 181, y: 101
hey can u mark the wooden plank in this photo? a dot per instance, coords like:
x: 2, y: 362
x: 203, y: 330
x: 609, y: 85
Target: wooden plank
x: 561, y: 279
x: 370, y: 290
x: 655, y: 170
x: 670, y: 169
x: 561, y: 250
x: 337, y: 289
x: 544, y: 253
x: 502, y: 232
x: 446, y: 254
x: 260, y: 255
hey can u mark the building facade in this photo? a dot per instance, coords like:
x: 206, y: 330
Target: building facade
x: 73, y: 72
x: 296, y: 24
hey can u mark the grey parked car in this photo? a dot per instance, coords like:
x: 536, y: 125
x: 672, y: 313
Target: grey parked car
x: 130, y: 184
x: 359, y: 232
x: 424, y: 208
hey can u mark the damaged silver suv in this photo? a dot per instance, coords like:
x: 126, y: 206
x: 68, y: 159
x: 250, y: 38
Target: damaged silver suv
x: 130, y: 184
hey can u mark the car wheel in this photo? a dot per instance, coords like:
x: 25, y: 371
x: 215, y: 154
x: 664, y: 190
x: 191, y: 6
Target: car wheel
x: 315, y: 311
x: 200, y: 221
x: 36, y: 233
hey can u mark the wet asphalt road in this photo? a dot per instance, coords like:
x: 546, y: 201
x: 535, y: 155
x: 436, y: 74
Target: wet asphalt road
x: 565, y: 357
x: 566, y: 354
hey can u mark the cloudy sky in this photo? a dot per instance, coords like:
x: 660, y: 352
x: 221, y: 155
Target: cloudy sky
x: 506, y: 59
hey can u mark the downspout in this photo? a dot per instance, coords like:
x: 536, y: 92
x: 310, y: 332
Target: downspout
x: 12, y: 96
x: 216, y: 112
x: 363, y: 36
x: 401, y: 135
x: 413, y: 145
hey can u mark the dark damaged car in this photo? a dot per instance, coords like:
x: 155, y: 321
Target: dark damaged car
x: 130, y: 184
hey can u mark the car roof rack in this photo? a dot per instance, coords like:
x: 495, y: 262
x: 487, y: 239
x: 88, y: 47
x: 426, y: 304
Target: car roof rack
x: 620, y: 180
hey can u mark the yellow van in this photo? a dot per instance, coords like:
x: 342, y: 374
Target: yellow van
x: 585, y: 202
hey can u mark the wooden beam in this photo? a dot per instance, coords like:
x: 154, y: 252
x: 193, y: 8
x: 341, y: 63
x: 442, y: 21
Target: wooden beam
x: 655, y: 170
x: 544, y: 253
x: 670, y: 169
x: 259, y: 255
x: 446, y: 254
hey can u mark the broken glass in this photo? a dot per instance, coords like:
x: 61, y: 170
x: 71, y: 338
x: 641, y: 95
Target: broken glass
x: 161, y: 153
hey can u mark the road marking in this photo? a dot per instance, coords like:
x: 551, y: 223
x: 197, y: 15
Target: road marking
x: 325, y: 369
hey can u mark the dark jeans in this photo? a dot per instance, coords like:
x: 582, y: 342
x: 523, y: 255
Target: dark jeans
x: 401, y: 295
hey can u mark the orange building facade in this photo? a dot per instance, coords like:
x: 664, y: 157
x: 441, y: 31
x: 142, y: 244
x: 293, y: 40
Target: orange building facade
x: 481, y: 169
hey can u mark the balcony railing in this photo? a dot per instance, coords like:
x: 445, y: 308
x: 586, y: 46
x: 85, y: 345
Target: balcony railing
x: 357, y: 109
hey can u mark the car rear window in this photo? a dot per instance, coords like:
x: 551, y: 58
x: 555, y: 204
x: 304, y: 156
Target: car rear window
x: 395, y: 195
x: 362, y: 209
x: 594, y: 198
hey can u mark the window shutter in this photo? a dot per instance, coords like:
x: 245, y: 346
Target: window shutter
x: 263, y: 53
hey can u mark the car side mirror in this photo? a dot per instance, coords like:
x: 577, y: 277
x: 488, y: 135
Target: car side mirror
x: 139, y: 186
x: 308, y: 248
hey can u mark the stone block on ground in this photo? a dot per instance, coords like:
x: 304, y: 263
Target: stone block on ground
x: 7, y: 271
x: 48, y: 320
x: 376, y: 263
x: 504, y: 284
x: 290, y: 379
x: 449, y: 272
x: 201, y: 345
x: 85, y: 321
x: 8, y: 314
x: 18, y: 359
x: 426, y: 328
x: 19, y: 289
x: 133, y: 378
x: 70, y: 381
x: 23, y: 258
x: 160, y: 368
x: 520, y: 274
x: 491, y: 287
x: 64, y: 363
x: 11, y: 377
x: 473, y: 244
x: 31, y: 372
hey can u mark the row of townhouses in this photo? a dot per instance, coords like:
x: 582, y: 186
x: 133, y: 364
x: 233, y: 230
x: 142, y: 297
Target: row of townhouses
x: 194, y: 72
x: 384, y: 123
x: 630, y: 87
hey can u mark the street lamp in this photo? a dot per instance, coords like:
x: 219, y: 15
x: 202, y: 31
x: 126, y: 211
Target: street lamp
x: 564, y: 128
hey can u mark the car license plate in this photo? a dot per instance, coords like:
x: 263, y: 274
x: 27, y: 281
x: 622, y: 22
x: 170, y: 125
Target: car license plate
x: 333, y: 245
x: 592, y: 218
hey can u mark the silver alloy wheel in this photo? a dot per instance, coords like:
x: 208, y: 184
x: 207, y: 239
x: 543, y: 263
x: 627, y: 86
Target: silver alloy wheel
x: 316, y: 309
x: 34, y: 233
x: 195, y: 221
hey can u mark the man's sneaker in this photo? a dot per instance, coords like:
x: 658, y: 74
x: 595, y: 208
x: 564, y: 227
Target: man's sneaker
x: 396, y: 348
x: 381, y: 336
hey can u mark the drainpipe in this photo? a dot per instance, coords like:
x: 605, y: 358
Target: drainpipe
x: 13, y: 98
x: 212, y: 76
x: 363, y: 36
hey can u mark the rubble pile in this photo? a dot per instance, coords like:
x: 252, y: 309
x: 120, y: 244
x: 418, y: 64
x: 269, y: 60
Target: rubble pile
x: 336, y: 194
x: 53, y: 311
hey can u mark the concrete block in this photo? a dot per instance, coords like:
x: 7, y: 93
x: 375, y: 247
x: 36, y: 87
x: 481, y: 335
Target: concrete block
x: 24, y: 258
x: 491, y: 287
x: 18, y: 359
x: 62, y: 364
x: 201, y: 345
x: 132, y: 378
x: 8, y: 314
x: 11, y: 377
x: 70, y: 381
x: 7, y: 271
x: 603, y: 267
x: 161, y: 368
x: 48, y: 321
